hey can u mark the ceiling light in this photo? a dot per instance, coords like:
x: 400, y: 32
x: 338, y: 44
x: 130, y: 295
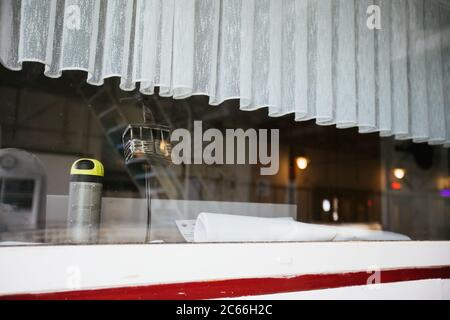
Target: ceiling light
x: 302, y: 163
x: 399, y: 173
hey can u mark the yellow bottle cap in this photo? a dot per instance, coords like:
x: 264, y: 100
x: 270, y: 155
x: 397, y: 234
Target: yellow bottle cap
x: 90, y: 167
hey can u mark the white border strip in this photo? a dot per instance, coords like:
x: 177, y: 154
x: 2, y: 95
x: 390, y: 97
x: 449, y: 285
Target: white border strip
x: 59, y: 268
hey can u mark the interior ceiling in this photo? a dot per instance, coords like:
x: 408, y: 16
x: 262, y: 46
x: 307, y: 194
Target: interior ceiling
x: 307, y: 134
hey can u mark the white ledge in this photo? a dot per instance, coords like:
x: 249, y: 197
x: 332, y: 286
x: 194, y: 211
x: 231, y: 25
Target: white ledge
x: 52, y: 268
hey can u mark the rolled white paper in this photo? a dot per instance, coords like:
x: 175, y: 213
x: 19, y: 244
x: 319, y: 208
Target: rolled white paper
x: 213, y: 227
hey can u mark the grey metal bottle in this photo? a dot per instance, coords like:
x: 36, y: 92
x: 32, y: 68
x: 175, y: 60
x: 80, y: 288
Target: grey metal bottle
x: 85, y: 202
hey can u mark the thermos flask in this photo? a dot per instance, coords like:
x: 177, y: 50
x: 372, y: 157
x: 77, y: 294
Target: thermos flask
x: 85, y: 200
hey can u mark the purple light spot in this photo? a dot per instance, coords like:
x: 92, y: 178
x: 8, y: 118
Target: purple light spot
x: 445, y: 193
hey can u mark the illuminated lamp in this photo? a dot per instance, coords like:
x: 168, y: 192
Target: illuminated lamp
x: 399, y: 173
x: 302, y: 163
x: 326, y: 205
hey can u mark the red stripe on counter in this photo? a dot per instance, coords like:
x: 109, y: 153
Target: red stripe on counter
x: 239, y: 287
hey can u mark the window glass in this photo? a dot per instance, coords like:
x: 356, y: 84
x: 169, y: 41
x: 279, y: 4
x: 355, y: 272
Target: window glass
x: 314, y: 174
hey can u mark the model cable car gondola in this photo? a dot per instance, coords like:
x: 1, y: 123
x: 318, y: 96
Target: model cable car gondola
x: 147, y: 144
